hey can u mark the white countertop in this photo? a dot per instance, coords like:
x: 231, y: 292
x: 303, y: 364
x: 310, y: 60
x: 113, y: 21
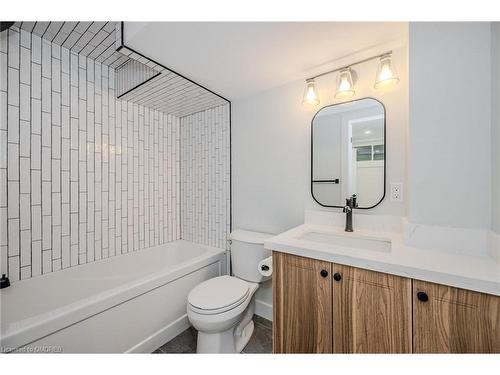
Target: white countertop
x: 478, y: 273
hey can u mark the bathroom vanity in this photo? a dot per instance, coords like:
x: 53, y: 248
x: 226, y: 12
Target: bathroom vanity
x: 367, y: 292
x: 354, y: 283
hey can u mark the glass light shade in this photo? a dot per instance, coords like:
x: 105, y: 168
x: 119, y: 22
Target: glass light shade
x: 310, y: 94
x: 345, y: 87
x: 386, y: 73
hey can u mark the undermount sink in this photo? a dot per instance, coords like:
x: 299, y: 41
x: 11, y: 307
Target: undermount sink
x: 349, y: 241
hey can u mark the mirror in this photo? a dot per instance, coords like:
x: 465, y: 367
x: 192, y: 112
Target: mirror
x: 348, y: 153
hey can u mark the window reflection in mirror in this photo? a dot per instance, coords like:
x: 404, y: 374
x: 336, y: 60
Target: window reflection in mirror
x: 348, y: 153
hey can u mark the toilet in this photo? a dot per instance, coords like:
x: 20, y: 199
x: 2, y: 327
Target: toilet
x: 222, y: 308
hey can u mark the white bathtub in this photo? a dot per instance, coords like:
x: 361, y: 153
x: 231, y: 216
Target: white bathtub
x: 129, y: 303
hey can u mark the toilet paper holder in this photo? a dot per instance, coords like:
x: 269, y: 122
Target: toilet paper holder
x: 265, y: 267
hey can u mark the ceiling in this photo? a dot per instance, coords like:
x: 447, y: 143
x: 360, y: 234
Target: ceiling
x: 239, y: 59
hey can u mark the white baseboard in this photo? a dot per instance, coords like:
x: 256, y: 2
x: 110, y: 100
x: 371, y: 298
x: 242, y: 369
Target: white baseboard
x: 162, y: 336
x: 263, y: 309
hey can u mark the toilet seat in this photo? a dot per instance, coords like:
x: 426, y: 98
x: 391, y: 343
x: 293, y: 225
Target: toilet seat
x: 218, y: 295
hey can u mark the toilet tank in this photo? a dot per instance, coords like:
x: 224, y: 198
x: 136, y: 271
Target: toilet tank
x: 247, y: 250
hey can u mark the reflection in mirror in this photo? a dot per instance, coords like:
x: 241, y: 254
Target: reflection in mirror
x: 348, y: 153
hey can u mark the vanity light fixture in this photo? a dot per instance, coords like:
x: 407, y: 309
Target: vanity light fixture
x: 310, y: 93
x: 386, y: 73
x: 386, y: 76
x: 345, y: 86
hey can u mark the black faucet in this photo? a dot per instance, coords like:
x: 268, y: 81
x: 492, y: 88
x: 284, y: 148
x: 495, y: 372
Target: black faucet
x: 350, y: 204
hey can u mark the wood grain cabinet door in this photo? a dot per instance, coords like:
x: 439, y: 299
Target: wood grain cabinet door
x: 371, y: 311
x: 452, y: 320
x: 302, y: 292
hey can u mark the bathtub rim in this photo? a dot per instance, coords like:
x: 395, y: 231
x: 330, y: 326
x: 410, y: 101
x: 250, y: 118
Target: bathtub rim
x: 34, y: 328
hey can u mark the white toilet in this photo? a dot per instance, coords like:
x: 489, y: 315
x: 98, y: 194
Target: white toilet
x: 222, y: 308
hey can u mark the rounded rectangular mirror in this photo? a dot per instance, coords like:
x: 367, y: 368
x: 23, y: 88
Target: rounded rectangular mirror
x: 348, y: 153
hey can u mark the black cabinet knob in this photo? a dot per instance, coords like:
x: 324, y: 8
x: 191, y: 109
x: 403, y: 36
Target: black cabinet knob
x: 324, y: 273
x: 337, y: 276
x: 422, y: 296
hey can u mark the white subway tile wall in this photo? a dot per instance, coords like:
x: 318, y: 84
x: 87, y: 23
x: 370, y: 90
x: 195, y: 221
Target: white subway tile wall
x: 205, y: 176
x: 84, y: 176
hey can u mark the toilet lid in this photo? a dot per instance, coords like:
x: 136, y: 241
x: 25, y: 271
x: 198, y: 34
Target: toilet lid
x: 218, y: 294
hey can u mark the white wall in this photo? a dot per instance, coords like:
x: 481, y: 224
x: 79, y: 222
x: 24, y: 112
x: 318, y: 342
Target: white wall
x: 450, y: 107
x: 271, y: 150
x: 270, y: 142
x: 496, y: 126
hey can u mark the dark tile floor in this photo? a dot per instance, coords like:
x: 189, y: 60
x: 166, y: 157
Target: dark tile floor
x: 261, y: 341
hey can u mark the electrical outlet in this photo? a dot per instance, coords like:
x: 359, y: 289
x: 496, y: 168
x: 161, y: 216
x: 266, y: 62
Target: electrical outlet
x: 396, y: 191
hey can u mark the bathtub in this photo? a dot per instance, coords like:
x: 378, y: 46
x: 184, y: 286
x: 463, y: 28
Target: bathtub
x: 129, y: 303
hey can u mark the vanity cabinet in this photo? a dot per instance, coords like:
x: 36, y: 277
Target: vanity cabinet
x: 320, y: 307
x: 302, y: 293
x: 371, y: 312
x: 452, y: 320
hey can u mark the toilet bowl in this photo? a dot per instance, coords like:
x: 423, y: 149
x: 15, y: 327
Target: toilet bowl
x: 221, y: 309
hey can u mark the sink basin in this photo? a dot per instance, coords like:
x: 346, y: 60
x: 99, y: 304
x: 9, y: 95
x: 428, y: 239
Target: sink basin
x: 349, y: 241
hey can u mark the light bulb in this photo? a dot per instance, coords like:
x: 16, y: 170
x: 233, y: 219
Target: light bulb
x: 310, y: 94
x: 386, y: 73
x: 345, y: 87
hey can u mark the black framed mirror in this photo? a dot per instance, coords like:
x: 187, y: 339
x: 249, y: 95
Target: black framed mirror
x: 348, y: 153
